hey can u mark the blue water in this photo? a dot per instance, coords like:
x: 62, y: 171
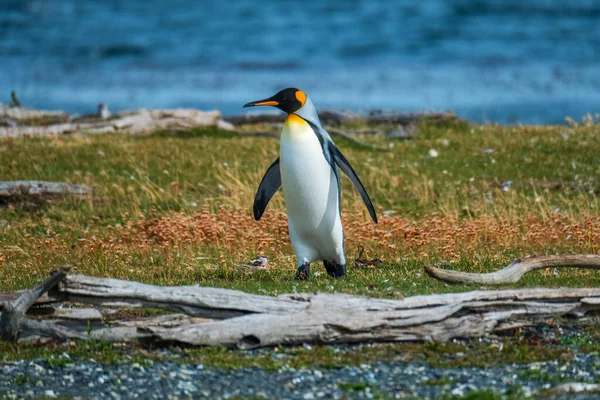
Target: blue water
x: 488, y: 60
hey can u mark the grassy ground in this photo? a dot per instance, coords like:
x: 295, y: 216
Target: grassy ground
x: 175, y: 208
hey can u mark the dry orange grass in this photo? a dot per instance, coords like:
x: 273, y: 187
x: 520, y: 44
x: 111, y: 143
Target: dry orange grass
x: 394, y: 237
x: 181, y: 247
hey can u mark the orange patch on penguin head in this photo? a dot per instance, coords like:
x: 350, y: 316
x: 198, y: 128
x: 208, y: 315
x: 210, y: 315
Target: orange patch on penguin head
x: 301, y: 97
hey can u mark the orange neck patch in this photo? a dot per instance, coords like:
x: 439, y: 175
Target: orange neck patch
x: 301, y: 97
x: 293, y: 118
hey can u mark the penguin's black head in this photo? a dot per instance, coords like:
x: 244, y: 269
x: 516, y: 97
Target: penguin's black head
x: 288, y: 100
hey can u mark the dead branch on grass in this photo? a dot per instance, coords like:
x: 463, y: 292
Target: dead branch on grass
x: 13, y: 312
x: 515, y: 270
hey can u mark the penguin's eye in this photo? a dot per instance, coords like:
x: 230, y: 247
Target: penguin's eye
x: 284, y: 98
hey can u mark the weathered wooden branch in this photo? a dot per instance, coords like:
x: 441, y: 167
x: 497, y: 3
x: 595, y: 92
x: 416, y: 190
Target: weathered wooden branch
x: 14, y: 311
x: 515, y: 270
x: 6, y: 297
x: 139, y: 121
x: 42, y: 189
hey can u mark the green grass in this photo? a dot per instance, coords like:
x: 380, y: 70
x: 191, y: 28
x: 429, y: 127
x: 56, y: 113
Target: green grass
x: 479, y: 204
x: 24, y: 379
x: 355, y: 386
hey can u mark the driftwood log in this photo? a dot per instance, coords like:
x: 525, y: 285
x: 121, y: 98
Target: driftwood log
x: 13, y: 312
x: 346, y: 319
x: 139, y: 121
x: 208, y: 316
x: 515, y: 270
x: 244, y: 320
x: 41, y: 189
x: 19, y: 114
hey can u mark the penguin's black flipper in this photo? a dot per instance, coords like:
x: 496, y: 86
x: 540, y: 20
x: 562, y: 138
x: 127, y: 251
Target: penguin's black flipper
x: 270, y: 184
x: 345, y: 166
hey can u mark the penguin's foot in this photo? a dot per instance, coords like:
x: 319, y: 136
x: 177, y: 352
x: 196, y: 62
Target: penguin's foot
x: 335, y: 270
x: 303, y: 272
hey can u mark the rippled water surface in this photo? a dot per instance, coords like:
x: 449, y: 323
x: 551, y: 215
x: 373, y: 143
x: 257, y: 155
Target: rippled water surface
x: 488, y: 60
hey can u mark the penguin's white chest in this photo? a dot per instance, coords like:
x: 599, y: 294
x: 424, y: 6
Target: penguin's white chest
x: 310, y: 189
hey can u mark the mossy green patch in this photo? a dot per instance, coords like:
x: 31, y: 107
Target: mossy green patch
x: 354, y: 386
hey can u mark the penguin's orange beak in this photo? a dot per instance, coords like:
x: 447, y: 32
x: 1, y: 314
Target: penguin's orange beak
x: 265, y: 102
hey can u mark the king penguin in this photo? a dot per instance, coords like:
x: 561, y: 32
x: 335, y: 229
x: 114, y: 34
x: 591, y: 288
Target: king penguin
x: 307, y: 170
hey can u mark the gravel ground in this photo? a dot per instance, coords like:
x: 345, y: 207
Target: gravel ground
x: 64, y: 377
x: 397, y: 379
